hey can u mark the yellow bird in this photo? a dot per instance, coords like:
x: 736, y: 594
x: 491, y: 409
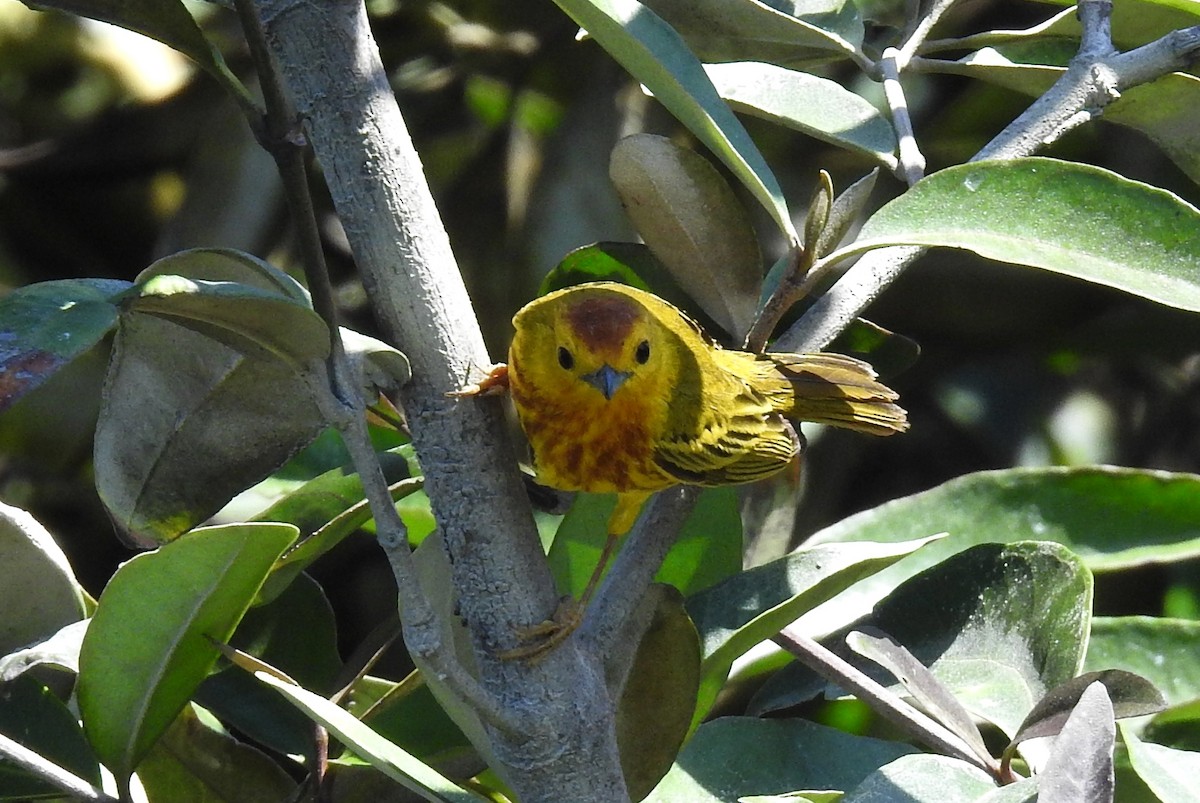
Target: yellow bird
x: 620, y: 392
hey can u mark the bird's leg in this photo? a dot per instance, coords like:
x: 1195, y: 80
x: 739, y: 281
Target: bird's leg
x: 543, y: 637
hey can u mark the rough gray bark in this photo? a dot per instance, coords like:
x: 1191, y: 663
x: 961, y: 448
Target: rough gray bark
x: 566, y: 749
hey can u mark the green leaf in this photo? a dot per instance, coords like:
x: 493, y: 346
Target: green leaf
x: 60, y: 651
x: 1129, y: 696
x: 297, y: 635
x: 150, y: 642
x: 923, y: 778
x: 693, y: 223
x: 655, y: 709
x: 722, y: 31
x: 235, y: 298
x: 38, y: 591
x: 1177, y: 727
x: 754, y: 605
x: 1059, y: 216
x: 1170, y: 774
x: 257, y: 323
x: 1112, y: 518
x: 168, y: 21
x: 997, y: 625
x: 328, y: 509
x: 1161, y: 650
x: 734, y: 757
x: 408, y: 715
x: 707, y: 550
x: 807, y: 103
x: 188, y: 423
x: 32, y: 715
x: 382, y: 754
x: 227, y: 265
x: 197, y: 760
x: 46, y: 325
x: 924, y: 687
x: 655, y: 55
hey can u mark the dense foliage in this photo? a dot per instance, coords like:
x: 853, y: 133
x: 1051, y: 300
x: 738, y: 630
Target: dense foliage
x: 1021, y: 565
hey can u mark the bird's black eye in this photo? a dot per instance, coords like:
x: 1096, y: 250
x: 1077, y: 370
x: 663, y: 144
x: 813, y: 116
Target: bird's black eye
x: 643, y: 352
x: 565, y: 359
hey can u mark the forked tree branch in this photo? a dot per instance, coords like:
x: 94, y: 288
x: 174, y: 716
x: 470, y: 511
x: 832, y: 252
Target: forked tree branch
x: 1080, y: 94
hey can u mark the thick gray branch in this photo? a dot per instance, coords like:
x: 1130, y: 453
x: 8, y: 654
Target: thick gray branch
x: 329, y: 60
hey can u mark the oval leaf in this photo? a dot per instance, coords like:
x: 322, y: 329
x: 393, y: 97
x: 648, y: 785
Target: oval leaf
x: 187, y: 423
x: 1112, y: 518
x: 998, y: 625
x: 653, y: 53
x: 1080, y: 766
x: 150, y: 642
x: 733, y: 757
x: 692, y: 221
x: 923, y: 685
x: 1069, y: 218
x: 655, y: 710
x: 1161, y: 650
x: 46, y: 325
x: 38, y: 591
x: 754, y: 605
x: 227, y: 265
x: 804, y: 102
x: 723, y: 31
x: 1129, y: 696
x: 1170, y: 774
x: 257, y: 323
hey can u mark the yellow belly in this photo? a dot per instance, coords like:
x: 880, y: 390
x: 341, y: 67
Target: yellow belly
x: 591, y: 444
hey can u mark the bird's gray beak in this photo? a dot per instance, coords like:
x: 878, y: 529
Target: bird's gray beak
x: 606, y: 379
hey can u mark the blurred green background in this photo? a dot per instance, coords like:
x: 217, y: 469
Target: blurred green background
x: 115, y: 151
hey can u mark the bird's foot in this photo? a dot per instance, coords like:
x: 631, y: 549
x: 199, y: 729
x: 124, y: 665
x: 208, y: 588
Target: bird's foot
x: 538, y: 640
x: 494, y: 383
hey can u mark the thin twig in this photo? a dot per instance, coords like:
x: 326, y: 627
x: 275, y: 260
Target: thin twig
x: 279, y: 134
x: 422, y: 633
x: 911, y: 165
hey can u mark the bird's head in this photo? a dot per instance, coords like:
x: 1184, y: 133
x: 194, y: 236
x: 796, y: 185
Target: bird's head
x: 604, y: 336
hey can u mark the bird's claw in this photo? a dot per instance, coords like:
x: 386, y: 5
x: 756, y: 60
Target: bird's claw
x: 494, y: 383
x: 538, y: 640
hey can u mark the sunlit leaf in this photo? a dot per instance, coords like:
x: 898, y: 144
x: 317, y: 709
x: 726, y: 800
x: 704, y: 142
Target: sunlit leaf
x: 1064, y: 217
x: 150, y: 642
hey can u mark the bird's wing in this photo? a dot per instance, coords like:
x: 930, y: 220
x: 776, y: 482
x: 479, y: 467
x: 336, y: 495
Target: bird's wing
x: 726, y: 444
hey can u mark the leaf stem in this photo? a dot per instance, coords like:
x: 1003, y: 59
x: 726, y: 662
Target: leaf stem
x: 837, y: 670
